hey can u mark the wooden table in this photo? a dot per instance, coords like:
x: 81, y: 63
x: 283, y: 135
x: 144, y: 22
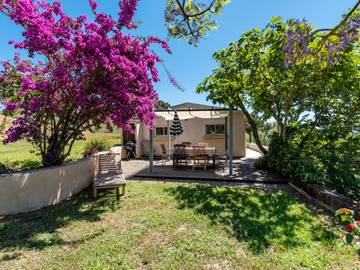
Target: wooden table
x: 209, y: 151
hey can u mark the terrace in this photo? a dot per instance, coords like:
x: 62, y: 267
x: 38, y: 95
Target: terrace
x: 243, y: 171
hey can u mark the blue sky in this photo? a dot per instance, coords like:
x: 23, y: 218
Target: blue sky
x: 188, y: 64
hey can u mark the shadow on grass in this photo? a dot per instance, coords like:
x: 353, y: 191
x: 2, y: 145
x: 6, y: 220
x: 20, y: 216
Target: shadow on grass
x: 39, y: 229
x: 260, y: 219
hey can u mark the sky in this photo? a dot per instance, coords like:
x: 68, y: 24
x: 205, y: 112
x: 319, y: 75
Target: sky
x: 190, y: 65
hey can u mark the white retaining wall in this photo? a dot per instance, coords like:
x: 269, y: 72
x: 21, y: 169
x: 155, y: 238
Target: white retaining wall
x: 31, y: 190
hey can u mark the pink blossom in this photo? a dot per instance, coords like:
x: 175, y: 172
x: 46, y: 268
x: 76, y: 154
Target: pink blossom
x: 127, y: 12
x: 94, y: 73
x: 93, y: 4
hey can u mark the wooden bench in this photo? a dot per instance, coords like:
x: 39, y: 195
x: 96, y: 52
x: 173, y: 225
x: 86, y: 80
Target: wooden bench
x: 109, y: 174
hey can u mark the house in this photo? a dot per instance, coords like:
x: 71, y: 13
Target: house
x: 200, y: 123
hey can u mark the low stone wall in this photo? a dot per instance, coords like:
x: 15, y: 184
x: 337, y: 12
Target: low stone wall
x: 31, y: 190
x: 254, y: 147
x: 328, y: 199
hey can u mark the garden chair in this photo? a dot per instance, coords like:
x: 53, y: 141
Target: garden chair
x: 200, y: 158
x: 110, y: 175
x: 164, y: 154
x: 180, y: 156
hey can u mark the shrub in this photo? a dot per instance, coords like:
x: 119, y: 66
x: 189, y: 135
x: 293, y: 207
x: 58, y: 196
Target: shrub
x: 4, y: 169
x: 261, y: 163
x: 336, y: 167
x: 289, y: 160
x: 345, y: 217
x: 94, y: 146
x: 26, y: 164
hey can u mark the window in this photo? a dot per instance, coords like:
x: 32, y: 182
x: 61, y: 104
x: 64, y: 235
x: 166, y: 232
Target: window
x: 161, y: 131
x: 215, y: 129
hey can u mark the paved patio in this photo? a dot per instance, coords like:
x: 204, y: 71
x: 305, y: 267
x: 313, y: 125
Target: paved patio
x: 243, y: 171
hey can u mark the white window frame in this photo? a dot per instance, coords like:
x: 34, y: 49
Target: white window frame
x: 214, y: 134
x: 165, y: 131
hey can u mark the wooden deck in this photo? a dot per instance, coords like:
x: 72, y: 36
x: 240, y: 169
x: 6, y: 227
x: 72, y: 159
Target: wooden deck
x: 243, y: 171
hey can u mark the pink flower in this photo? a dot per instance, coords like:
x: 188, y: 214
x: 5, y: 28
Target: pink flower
x: 6, y: 64
x: 93, y: 4
x: 127, y: 12
x: 94, y: 74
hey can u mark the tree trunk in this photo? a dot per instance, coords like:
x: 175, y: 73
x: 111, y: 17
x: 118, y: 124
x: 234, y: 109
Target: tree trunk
x: 253, y: 127
x: 54, y: 154
x: 49, y: 159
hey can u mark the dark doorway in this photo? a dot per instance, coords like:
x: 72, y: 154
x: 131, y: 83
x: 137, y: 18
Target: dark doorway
x: 129, y: 136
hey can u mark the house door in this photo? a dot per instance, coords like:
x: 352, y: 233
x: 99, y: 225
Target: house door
x: 129, y: 136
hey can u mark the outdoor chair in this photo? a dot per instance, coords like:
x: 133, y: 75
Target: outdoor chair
x: 110, y: 175
x: 200, y: 158
x: 203, y: 144
x: 164, y: 154
x: 180, y: 156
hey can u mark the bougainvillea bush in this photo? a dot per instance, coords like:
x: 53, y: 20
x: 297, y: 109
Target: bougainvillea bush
x: 93, y: 73
x: 352, y: 236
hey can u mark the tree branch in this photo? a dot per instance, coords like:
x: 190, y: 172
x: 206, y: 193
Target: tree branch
x: 202, y: 12
x: 185, y: 17
x: 333, y: 30
x: 253, y: 125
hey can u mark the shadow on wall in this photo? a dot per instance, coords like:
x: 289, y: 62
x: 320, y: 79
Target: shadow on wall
x: 31, y: 190
x: 260, y: 219
x: 38, y: 230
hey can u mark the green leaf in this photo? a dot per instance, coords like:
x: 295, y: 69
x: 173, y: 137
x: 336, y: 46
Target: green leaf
x: 348, y: 219
x: 349, y: 238
x: 275, y: 19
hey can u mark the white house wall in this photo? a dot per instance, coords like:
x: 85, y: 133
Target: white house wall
x: 194, y: 132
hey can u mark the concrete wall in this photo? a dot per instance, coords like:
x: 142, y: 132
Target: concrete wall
x: 253, y: 146
x: 32, y: 190
x: 194, y: 132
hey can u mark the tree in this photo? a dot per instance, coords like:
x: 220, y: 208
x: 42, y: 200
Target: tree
x: 163, y: 104
x: 7, y: 90
x: 93, y: 74
x: 314, y: 102
x: 251, y: 73
x: 192, y: 20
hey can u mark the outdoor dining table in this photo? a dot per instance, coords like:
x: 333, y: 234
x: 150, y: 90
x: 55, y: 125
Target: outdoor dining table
x: 209, y: 151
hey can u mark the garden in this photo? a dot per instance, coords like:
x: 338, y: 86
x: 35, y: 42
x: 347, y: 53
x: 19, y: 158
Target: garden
x: 85, y: 78
x: 182, y: 226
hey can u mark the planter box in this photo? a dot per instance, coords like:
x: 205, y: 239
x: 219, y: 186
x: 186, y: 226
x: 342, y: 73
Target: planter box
x: 328, y: 199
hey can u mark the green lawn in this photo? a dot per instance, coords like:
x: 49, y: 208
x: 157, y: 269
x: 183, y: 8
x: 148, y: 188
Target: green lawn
x: 21, y: 155
x: 175, y: 226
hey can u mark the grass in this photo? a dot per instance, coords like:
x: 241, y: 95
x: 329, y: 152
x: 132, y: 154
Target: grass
x: 21, y: 155
x: 175, y: 226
